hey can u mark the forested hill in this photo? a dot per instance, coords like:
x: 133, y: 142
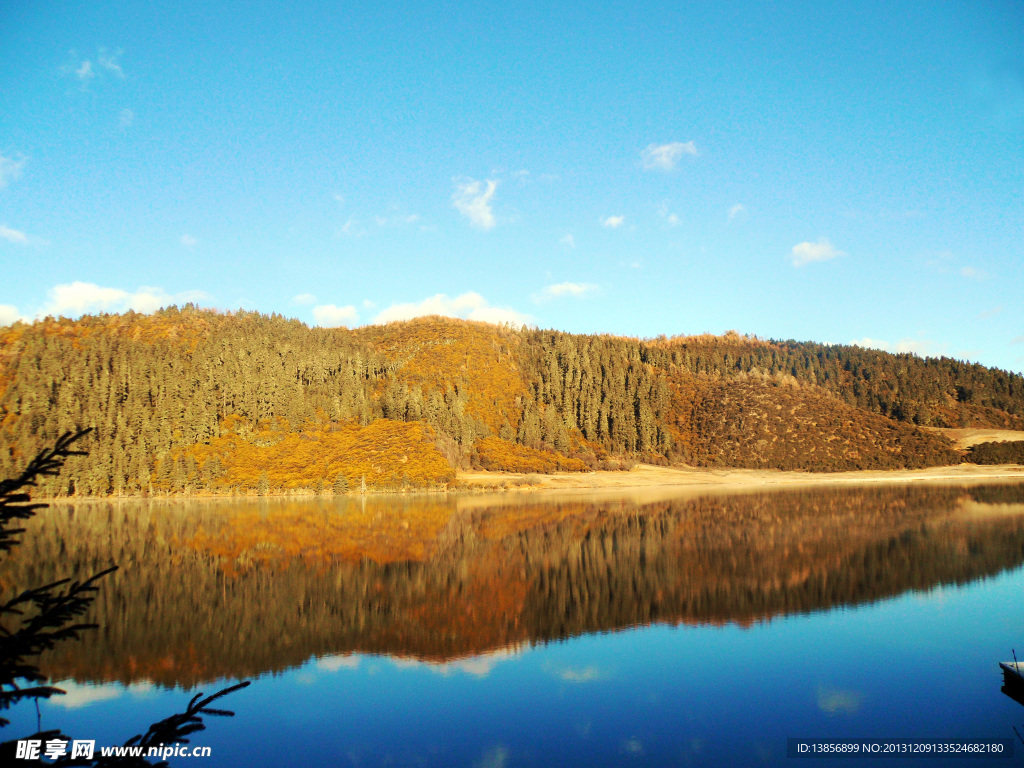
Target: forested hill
x: 190, y: 400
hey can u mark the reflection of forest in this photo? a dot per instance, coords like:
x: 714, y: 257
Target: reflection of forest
x: 211, y: 590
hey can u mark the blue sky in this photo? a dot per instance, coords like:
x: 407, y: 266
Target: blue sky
x: 839, y: 172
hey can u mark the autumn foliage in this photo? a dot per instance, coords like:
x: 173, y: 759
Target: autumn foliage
x: 188, y: 401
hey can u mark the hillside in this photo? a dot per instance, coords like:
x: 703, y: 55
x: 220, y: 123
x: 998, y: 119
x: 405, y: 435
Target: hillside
x: 187, y: 400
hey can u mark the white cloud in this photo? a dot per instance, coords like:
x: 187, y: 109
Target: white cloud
x: 472, y: 199
x: 9, y: 315
x: 10, y: 169
x: 670, y: 217
x: 972, y: 273
x: 469, y: 306
x: 85, y: 71
x: 188, y: 241
x: 737, y: 210
x: 569, y: 241
x: 78, y: 298
x: 613, y: 222
x: 331, y: 316
x: 304, y: 299
x: 984, y: 315
x: 564, y: 289
x: 127, y: 117
x: 13, y: 235
x: 806, y: 252
x: 917, y: 347
x: 665, y: 157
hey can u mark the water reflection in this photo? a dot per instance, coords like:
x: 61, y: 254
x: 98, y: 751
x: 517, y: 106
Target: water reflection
x: 217, y: 589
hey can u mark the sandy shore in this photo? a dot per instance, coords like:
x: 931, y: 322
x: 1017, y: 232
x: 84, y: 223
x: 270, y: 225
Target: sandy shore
x: 649, y: 476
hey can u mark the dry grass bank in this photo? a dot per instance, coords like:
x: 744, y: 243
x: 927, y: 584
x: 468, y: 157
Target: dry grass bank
x: 969, y: 436
x: 649, y: 476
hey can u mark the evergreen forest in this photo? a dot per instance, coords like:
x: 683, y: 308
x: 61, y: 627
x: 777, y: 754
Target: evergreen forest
x: 188, y: 401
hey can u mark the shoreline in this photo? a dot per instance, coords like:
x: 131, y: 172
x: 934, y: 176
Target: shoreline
x: 643, y: 477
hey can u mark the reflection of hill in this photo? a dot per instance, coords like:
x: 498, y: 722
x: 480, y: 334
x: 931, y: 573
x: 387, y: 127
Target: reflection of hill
x: 215, y: 590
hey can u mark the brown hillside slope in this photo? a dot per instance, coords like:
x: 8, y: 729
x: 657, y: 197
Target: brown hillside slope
x: 770, y: 424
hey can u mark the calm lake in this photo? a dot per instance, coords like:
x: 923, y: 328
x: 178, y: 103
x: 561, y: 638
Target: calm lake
x: 525, y: 630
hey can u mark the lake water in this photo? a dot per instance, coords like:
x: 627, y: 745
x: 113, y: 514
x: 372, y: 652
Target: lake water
x: 522, y: 630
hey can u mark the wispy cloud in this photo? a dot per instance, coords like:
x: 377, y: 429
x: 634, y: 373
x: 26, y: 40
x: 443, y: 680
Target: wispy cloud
x: 472, y: 199
x: 564, y: 289
x: 188, y: 241
x: 568, y: 241
x: 126, y: 118
x: 304, y: 299
x: 109, y: 61
x: 1018, y: 340
x: 665, y: 157
x: 986, y: 314
x: 469, y: 306
x: 670, y: 217
x: 351, y: 228
x: 916, y: 346
x: 613, y: 222
x: 807, y: 252
x: 736, y: 211
x: 85, y: 70
x: 331, y: 316
x: 10, y: 169
x: 972, y: 273
x: 14, y: 236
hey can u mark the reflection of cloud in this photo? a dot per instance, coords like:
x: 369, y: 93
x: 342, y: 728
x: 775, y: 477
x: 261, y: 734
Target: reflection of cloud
x: 585, y: 675
x: 477, y: 666
x: 79, y: 695
x: 835, y: 701
x: 494, y: 757
x: 336, y: 663
x: 633, y: 747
